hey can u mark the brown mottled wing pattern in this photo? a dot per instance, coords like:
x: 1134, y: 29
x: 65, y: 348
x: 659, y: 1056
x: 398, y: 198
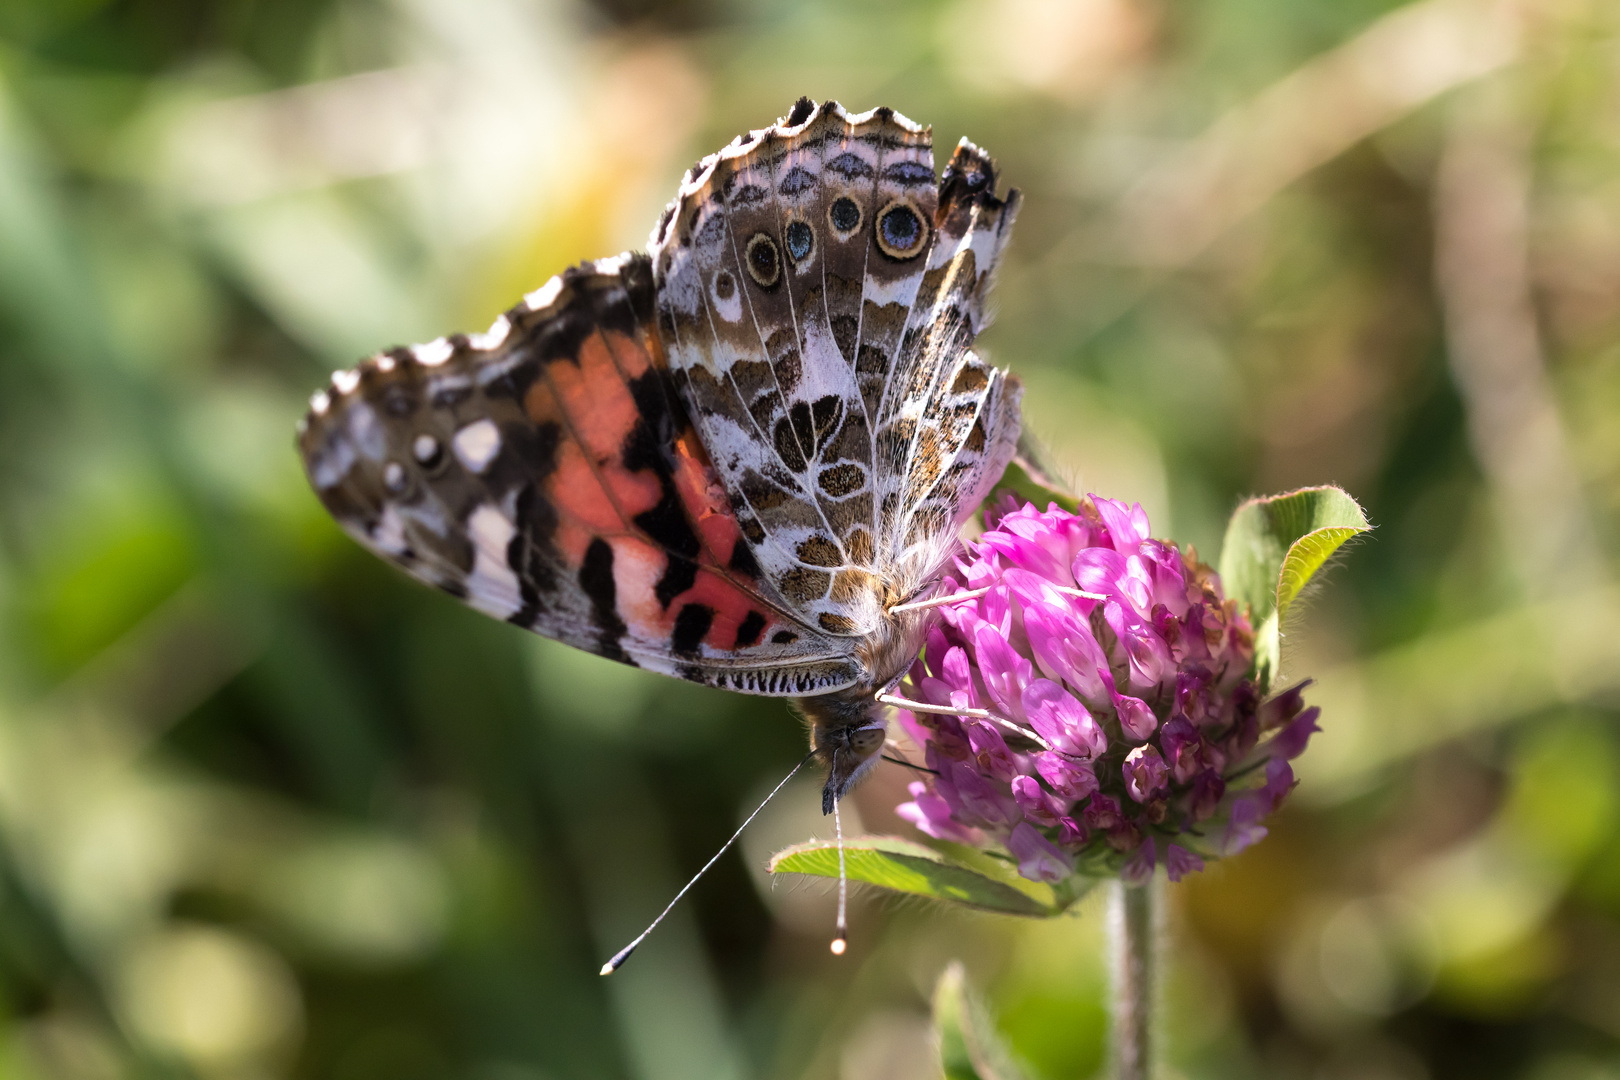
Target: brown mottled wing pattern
x: 817, y: 296
x: 547, y: 473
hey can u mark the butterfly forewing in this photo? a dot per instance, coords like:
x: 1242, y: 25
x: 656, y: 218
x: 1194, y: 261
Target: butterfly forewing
x: 547, y: 474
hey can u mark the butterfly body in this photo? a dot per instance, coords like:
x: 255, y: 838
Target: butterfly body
x: 730, y: 459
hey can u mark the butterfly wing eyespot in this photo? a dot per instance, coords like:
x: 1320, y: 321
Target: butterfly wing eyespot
x: 800, y: 240
x: 427, y: 451
x: 763, y: 262
x: 901, y: 231
x: 844, y: 215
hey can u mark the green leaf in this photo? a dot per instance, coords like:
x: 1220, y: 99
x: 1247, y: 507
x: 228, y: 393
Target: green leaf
x: 1057, y: 898
x: 969, y: 1046
x: 1273, y: 547
x: 1031, y: 478
x: 908, y: 867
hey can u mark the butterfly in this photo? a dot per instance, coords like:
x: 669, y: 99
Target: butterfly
x: 742, y: 457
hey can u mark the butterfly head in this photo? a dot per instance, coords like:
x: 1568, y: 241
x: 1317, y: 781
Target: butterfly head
x: 847, y: 731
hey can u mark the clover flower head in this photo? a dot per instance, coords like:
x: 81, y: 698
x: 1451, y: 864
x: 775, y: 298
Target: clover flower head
x: 1097, y: 710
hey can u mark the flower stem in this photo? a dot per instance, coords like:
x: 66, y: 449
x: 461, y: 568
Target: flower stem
x: 1133, y: 933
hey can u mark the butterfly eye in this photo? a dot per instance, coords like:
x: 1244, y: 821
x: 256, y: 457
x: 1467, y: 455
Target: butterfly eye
x: 844, y: 215
x: 764, y: 264
x: 800, y: 241
x: 427, y: 451
x: 866, y: 740
x: 900, y: 231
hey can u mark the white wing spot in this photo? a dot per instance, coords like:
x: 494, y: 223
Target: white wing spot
x: 902, y: 291
x: 544, y: 295
x: 367, y: 431
x: 425, y: 448
x: 328, y: 469
x: 389, y: 535
x: 727, y: 297
x: 477, y: 444
x: 346, y: 381
x: 456, y: 384
x: 494, y: 336
x: 433, y: 353
x: 319, y: 402
x: 492, y: 582
x: 385, y: 363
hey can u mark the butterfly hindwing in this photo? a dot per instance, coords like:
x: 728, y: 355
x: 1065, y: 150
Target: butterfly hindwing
x: 742, y: 307
x: 547, y: 473
x: 819, y: 291
x: 827, y: 409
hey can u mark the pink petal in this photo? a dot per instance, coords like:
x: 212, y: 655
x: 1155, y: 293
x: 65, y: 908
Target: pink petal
x: 1069, y: 778
x: 1038, y: 858
x: 1003, y: 670
x: 1062, y: 721
x: 1146, y: 775
x: 1139, y: 868
x: 1127, y: 525
x: 1179, y: 862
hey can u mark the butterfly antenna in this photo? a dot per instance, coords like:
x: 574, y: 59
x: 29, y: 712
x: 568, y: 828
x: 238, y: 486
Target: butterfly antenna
x: 841, y: 941
x: 624, y: 954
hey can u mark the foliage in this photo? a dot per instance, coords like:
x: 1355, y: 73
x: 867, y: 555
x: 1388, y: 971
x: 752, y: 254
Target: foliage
x: 1274, y: 546
x: 938, y: 871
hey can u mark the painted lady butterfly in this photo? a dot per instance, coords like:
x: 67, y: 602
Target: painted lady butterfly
x: 740, y: 458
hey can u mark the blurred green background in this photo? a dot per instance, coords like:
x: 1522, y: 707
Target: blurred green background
x: 269, y: 809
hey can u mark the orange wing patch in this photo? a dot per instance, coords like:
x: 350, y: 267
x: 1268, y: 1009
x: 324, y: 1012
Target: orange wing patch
x: 591, y: 487
x: 603, y: 489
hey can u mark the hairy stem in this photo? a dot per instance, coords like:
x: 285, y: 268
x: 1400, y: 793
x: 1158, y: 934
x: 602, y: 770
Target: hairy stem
x: 1133, y: 940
